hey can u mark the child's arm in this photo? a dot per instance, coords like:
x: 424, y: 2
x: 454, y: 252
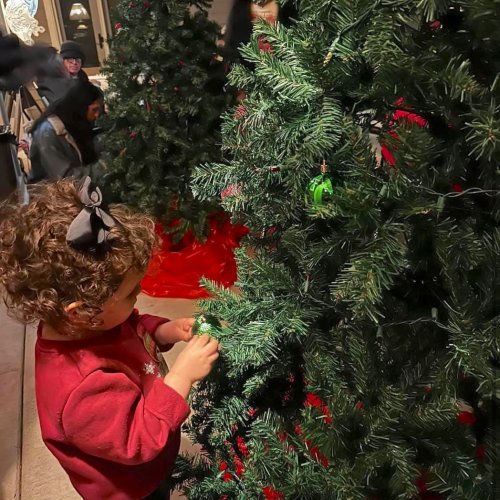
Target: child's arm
x: 109, y: 416
x: 166, y: 332
x: 177, y: 330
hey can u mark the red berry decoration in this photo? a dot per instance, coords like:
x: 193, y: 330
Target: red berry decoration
x: 118, y: 26
x: 226, y: 477
x: 271, y: 494
x: 313, y: 400
x: 264, y: 45
x: 147, y: 4
x: 466, y: 418
x: 480, y: 451
x: 240, y: 112
x: 231, y: 190
x: 282, y: 436
x: 457, y: 188
x: 132, y: 135
x: 239, y: 468
x: 318, y: 456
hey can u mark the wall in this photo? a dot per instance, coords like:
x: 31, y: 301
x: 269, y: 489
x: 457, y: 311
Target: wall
x: 220, y: 10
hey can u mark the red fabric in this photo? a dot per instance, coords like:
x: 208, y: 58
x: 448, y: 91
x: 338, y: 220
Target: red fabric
x: 399, y: 115
x: 176, y: 270
x: 105, y: 412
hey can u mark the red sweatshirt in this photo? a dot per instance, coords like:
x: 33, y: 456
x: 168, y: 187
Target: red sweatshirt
x: 105, y: 412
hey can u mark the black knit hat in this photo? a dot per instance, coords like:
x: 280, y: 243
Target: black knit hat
x: 71, y: 50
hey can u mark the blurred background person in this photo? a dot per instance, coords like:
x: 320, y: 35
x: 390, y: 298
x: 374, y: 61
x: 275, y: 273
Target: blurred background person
x: 19, y: 63
x: 73, y: 59
x: 54, y: 79
x: 243, y: 15
x: 63, y: 142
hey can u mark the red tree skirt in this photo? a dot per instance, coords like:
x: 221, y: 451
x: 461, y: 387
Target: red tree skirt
x: 175, y: 270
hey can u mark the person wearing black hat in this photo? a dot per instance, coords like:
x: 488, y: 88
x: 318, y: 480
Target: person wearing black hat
x: 73, y: 60
x: 56, y: 76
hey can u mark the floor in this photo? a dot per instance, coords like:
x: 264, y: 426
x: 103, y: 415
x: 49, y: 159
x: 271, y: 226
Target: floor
x: 27, y: 470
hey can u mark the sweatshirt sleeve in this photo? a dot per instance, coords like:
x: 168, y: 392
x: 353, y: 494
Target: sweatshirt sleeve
x: 150, y: 323
x: 108, y: 416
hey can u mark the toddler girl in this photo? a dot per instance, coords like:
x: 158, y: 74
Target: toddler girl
x: 108, y: 411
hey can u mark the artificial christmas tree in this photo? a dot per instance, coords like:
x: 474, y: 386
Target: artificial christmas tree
x: 165, y: 99
x: 359, y: 360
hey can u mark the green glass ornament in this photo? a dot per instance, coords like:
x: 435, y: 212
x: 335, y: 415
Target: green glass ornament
x: 206, y: 324
x: 320, y: 189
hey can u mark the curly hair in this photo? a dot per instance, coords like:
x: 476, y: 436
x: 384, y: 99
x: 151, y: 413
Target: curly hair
x: 40, y: 274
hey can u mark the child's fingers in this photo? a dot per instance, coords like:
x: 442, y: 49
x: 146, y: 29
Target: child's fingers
x: 203, y: 340
x: 188, y: 324
x: 212, y: 346
x: 213, y: 357
x: 193, y: 341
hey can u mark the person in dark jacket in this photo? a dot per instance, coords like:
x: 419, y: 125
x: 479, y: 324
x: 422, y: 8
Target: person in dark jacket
x: 62, y: 138
x: 242, y: 17
x: 56, y: 76
x: 52, y: 81
x: 73, y: 59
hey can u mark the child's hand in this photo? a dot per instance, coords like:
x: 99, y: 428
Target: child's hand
x: 194, y: 363
x: 196, y: 360
x: 174, y: 331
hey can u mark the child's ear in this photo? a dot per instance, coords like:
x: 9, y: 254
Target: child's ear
x: 76, y: 314
x: 80, y: 316
x: 73, y: 308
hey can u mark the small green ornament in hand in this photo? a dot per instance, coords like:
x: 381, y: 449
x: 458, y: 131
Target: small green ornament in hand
x: 320, y: 189
x: 206, y: 324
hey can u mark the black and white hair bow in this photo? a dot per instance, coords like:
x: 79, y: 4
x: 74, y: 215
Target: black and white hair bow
x: 89, y: 230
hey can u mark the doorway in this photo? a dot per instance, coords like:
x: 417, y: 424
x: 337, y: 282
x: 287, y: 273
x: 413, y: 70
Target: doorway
x: 85, y: 22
